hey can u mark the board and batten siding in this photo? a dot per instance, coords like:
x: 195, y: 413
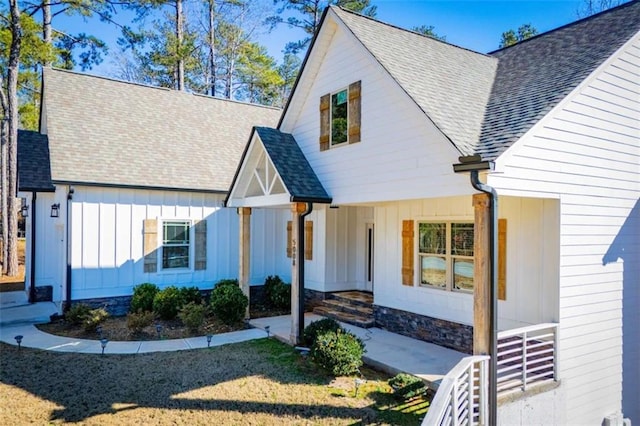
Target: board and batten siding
x: 401, y: 155
x: 107, y: 233
x: 586, y: 153
x: 532, y: 260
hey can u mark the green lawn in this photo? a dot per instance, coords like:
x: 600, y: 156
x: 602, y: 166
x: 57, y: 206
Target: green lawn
x: 260, y: 382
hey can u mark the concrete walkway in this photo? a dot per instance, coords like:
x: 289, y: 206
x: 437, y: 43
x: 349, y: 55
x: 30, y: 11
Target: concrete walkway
x: 387, y: 351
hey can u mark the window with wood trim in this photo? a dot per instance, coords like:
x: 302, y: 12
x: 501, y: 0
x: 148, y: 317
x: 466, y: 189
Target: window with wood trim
x: 445, y: 252
x: 308, y: 239
x: 340, y: 117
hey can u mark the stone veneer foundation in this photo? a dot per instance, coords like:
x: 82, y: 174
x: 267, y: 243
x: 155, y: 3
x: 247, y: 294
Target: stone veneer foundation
x: 440, y: 332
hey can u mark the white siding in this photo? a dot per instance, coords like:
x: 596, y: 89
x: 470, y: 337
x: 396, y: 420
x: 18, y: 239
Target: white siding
x: 587, y: 153
x: 107, y: 240
x: 402, y: 155
x: 532, y: 261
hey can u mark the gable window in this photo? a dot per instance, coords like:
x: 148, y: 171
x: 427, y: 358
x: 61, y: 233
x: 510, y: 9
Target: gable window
x: 445, y: 252
x: 340, y: 117
x: 175, y: 244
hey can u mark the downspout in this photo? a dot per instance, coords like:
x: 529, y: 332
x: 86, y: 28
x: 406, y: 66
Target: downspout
x: 493, y: 306
x: 67, y: 304
x: 301, y: 246
x: 32, y: 284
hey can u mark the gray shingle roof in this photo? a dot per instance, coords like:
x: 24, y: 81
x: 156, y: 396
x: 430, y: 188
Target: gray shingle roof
x: 485, y: 103
x: 108, y: 132
x: 292, y: 166
x: 450, y: 84
x: 535, y: 75
x: 34, y: 170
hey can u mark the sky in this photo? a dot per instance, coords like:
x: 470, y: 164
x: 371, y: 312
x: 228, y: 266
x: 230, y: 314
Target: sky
x: 473, y: 24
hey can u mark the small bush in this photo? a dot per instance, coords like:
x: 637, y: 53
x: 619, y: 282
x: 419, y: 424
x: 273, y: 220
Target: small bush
x: 143, y: 296
x: 167, y: 303
x: 339, y: 352
x: 192, y: 315
x: 94, y: 318
x: 312, y: 331
x: 277, y: 292
x: 191, y: 295
x: 77, y: 313
x: 407, y: 386
x: 136, y: 321
x: 228, y: 281
x: 228, y: 303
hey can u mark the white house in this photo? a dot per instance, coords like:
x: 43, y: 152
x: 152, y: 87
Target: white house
x: 377, y: 120
x: 136, y: 177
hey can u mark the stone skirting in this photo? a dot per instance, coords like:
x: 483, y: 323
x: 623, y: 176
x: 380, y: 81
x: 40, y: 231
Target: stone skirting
x: 313, y: 299
x: 440, y: 332
x: 43, y: 293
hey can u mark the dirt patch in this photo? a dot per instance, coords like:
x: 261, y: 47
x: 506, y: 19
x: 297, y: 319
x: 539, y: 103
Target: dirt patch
x: 14, y: 283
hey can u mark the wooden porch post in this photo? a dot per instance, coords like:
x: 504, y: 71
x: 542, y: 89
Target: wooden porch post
x: 245, y: 252
x: 297, y: 256
x: 482, y: 275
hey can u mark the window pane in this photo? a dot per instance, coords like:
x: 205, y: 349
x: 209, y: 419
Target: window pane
x: 176, y: 233
x: 433, y: 271
x: 463, y: 274
x: 433, y: 237
x: 462, y: 239
x: 339, y: 117
x: 175, y: 257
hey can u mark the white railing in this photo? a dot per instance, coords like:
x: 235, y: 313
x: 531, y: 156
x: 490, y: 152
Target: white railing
x: 461, y: 398
x: 527, y: 356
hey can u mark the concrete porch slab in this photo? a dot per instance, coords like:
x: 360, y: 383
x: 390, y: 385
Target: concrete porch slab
x: 27, y: 313
x: 386, y: 351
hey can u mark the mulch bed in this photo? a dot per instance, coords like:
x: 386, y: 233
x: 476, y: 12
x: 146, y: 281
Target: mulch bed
x: 115, y: 328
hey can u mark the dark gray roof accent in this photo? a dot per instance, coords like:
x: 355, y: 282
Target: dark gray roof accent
x: 115, y: 133
x: 535, y: 75
x: 292, y: 166
x: 34, y: 169
x: 449, y: 83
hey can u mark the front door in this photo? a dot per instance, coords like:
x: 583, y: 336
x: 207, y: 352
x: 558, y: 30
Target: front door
x: 368, y: 273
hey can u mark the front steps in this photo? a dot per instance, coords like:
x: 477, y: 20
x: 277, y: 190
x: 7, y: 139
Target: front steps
x: 351, y: 307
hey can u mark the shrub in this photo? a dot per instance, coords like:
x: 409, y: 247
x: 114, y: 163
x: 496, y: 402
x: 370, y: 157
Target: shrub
x: 339, y: 352
x: 94, y: 318
x: 228, y: 303
x: 312, y: 331
x: 143, y: 296
x: 167, y: 303
x: 277, y: 292
x: 191, y: 295
x: 77, y: 313
x: 136, y: 321
x: 407, y: 386
x: 228, y: 281
x: 192, y: 315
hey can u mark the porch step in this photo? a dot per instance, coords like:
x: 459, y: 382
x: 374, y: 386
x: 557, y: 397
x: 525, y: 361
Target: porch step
x: 351, y: 307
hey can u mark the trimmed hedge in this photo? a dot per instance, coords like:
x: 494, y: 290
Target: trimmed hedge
x: 228, y: 302
x: 143, y: 296
x: 167, y: 303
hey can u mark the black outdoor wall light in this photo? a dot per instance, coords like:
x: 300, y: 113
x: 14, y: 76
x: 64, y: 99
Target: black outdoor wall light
x: 55, y: 210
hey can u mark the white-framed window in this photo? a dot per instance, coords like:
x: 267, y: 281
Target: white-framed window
x: 339, y: 117
x: 445, y: 255
x: 176, y: 244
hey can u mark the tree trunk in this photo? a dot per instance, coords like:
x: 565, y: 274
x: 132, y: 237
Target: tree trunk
x: 212, y: 46
x: 46, y: 27
x: 12, y: 145
x: 3, y: 184
x: 180, y: 41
